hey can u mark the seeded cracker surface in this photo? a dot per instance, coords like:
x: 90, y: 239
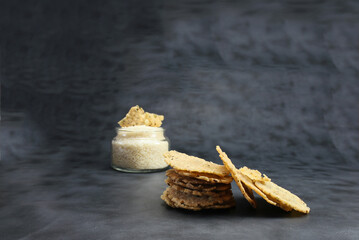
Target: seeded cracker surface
x: 286, y: 199
x: 137, y: 116
x: 254, y: 175
x: 184, y: 162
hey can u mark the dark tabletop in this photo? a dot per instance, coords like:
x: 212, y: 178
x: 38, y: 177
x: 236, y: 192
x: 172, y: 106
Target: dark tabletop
x: 274, y: 84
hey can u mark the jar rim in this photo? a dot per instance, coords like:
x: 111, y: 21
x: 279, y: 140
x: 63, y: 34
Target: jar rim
x: 140, y: 128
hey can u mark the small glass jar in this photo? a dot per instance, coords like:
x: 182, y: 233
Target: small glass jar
x: 139, y: 149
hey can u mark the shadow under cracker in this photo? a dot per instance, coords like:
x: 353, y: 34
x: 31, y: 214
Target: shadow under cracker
x: 242, y: 210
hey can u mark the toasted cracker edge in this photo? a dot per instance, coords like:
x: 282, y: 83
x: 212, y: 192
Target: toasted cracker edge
x: 231, y: 168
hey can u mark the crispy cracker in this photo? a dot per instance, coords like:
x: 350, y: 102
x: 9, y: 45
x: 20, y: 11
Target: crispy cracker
x: 250, y: 184
x: 198, y: 192
x: 165, y: 198
x: 170, y: 203
x: 209, y: 178
x: 254, y: 175
x: 229, y: 204
x: 137, y: 116
x: 173, y: 174
x: 189, y: 200
x: 283, y: 197
x: 184, y: 162
x: 194, y: 183
x: 199, y: 187
x: 229, y: 165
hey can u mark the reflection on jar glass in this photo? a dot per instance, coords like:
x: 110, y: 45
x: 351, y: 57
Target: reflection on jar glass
x: 139, y: 149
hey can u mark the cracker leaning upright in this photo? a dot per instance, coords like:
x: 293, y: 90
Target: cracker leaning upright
x: 247, y: 192
x: 249, y: 179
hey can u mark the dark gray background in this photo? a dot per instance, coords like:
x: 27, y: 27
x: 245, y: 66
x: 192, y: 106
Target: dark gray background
x: 275, y: 84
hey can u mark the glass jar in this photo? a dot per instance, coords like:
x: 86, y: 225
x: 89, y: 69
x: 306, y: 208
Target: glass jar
x: 139, y: 149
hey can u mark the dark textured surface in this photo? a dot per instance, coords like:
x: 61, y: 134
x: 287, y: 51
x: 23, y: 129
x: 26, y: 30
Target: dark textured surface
x: 275, y: 84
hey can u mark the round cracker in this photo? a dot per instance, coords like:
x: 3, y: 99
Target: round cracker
x: 199, y: 187
x: 226, y: 204
x: 229, y: 204
x: 209, y: 178
x: 168, y: 201
x: 199, y: 193
x: 196, y: 201
x: 184, y: 162
x: 283, y: 197
x: 172, y: 204
x: 165, y: 198
x: 232, y: 169
x: 173, y: 174
x: 194, y: 183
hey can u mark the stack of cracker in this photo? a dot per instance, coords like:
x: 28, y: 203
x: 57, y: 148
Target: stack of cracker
x: 196, y: 184
x: 249, y: 180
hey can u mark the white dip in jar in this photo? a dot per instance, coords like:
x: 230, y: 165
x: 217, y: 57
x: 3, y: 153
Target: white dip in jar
x: 139, y: 149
